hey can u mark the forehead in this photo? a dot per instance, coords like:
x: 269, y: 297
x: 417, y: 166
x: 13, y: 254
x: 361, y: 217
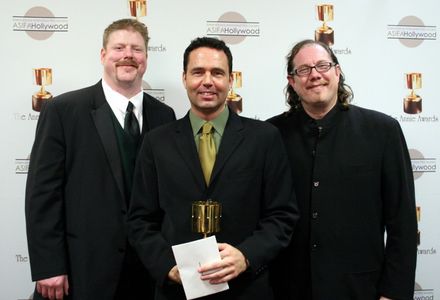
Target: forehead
x: 125, y: 35
x: 204, y: 56
x: 311, y: 54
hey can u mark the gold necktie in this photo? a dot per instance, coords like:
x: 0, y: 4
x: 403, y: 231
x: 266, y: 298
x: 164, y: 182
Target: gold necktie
x: 207, y: 151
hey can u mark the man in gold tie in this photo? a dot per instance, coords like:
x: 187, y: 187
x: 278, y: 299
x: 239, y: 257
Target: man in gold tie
x: 212, y: 153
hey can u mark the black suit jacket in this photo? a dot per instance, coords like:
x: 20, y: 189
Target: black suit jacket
x: 75, y: 203
x: 353, y: 180
x: 251, y: 179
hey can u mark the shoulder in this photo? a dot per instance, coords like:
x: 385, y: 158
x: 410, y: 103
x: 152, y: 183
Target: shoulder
x: 369, y: 116
x: 281, y: 119
x: 257, y: 128
x: 154, y: 104
x: 78, y: 95
x: 72, y: 101
x: 165, y: 129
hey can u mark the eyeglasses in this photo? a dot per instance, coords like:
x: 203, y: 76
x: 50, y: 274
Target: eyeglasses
x: 321, y: 67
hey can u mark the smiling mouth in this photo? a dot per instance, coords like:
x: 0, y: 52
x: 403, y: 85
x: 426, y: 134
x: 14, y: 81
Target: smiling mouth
x: 207, y: 93
x: 316, y: 86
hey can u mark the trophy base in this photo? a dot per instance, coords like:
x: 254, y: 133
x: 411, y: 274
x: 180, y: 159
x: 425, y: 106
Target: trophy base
x: 37, y: 100
x: 235, y: 104
x: 412, y: 105
x: 325, y: 36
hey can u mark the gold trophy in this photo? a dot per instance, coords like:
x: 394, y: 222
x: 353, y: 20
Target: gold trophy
x: 412, y: 104
x: 325, y: 34
x: 43, y: 77
x: 234, y: 100
x: 206, y: 217
x: 418, y: 220
x: 138, y: 8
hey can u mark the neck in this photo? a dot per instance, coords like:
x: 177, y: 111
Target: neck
x: 207, y: 115
x: 318, y: 112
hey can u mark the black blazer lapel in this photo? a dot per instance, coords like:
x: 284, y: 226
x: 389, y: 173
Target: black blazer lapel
x: 187, y: 149
x: 232, y: 137
x: 101, y: 114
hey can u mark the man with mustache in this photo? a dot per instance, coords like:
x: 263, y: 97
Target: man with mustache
x: 80, y: 177
x: 247, y: 173
x: 353, y: 180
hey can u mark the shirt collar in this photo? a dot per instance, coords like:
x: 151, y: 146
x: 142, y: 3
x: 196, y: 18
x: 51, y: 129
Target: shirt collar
x: 119, y: 101
x: 218, y: 123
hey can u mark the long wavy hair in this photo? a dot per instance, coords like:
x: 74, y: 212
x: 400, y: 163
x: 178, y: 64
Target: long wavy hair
x: 345, y: 93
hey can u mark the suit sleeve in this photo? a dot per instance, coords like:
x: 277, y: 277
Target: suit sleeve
x: 145, y: 218
x: 398, y: 273
x: 279, y: 208
x: 44, y: 197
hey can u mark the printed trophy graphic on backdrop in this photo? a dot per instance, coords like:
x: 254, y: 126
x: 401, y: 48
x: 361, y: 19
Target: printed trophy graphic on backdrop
x: 234, y: 100
x: 43, y: 77
x: 412, y: 104
x: 418, y: 212
x: 325, y: 34
x: 206, y: 216
x: 138, y: 8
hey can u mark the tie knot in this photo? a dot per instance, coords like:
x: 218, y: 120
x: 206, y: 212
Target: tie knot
x: 130, y: 107
x: 207, y: 127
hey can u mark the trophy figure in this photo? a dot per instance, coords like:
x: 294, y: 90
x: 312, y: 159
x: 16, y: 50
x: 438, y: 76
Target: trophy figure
x: 418, y: 220
x: 412, y: 104
x: 43, y: 77
x: 235, y: 101
x: 325, y: 34
x: 206, y: 217
x: 138, y: 8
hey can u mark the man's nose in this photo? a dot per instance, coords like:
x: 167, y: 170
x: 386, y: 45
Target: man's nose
x: 128, y: 52
x: 314, y: 73
x: 207, y: 79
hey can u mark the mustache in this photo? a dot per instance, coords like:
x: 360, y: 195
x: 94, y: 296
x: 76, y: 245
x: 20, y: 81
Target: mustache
x: 127, y: 62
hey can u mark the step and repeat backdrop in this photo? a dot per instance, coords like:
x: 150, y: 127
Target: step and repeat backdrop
x: 388, y: 50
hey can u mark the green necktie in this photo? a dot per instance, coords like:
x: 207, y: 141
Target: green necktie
x: 207, y: 151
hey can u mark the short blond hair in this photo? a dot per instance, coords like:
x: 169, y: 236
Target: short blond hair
x: 127, y: 24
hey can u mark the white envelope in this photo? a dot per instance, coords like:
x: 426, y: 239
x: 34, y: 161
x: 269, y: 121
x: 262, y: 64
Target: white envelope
x: 189, y: 256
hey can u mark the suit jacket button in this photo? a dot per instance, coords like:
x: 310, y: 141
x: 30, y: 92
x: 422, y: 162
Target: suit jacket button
x: 316, y: 183
x: 315, y: 215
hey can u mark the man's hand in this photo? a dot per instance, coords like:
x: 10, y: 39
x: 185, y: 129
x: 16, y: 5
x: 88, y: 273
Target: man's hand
x: 384, y: 298
x: 53, y: 288
x: 174, y: 275
x: 232, y: 264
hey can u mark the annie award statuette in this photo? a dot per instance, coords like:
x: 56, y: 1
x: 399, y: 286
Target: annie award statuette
x: 418, y: 220
x: 234, y: 100
x: 325, y: 34
x: 43, y: 77
x: 206, y: 217
x: 412, y: 104
x: 138, y: 8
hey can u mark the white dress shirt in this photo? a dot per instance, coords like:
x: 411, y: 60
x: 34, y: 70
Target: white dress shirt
x: 118, y: 103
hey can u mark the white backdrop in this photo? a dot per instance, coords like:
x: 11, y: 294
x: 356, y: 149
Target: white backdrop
x: 377, y: 43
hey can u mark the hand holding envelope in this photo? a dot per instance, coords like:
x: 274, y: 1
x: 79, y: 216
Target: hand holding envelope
x: 189, y: 257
